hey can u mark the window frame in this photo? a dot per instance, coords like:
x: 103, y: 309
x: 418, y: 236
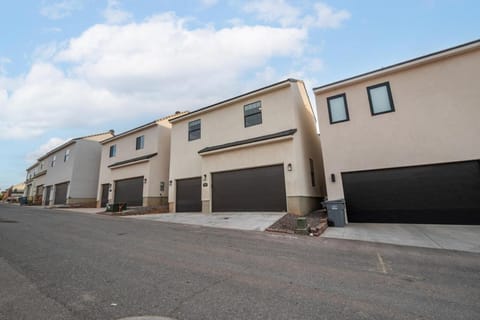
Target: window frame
x: 140, y: 142
x: 190, y: 131
x: 113, y: 148
x: 337, y: 96
x: 66, y: 156
x: 385, y: 84
x: 312, y: 172
x: 245, y: 116
x: 54, y: 159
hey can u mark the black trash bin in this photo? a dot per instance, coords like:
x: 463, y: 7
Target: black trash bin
x: 335, y: 212
x: 23, y: 201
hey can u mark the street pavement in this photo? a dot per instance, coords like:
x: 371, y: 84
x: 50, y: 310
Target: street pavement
x: 66, y: 265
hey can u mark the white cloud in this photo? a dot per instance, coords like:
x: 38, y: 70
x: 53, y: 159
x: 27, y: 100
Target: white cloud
x: 59, y: 9
x: 209, y: 3
x: 274, y: 10
x: 285, y: 14
x: 155, y: 67
x: 328, y: 17
x: 44, y: 148
x: 113, y: 14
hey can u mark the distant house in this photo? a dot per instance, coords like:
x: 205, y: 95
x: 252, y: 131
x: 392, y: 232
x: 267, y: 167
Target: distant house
x: 14, y: 192
x: 35, y: 182
x: 134, y: 166
x: 402, y: 144
x: 72, y: 171
x: 255, y: 152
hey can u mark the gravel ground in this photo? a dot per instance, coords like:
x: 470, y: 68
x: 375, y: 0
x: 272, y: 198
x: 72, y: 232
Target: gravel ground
x: 288, y: 222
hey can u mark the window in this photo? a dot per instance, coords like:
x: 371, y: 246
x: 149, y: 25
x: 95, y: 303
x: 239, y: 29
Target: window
x: 337, y: 108
x: 252, y: 114
x: 52, y: 164
x: 66, y: 156
x: 139, y: 142
x: 113, y: 150
x: 41, y: 165
x: 380, y: 98
x: 312, y: 172
x: 194, y: 130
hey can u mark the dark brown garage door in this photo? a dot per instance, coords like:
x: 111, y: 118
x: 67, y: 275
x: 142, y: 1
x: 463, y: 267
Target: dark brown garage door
x: 61, y: 193
x: 255, y: 189
x: 129, y: 191
x: 436, y: 194
x: 189, y: 195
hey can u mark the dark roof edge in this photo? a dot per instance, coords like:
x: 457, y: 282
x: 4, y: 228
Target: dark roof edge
x: 148, y: 156
x: 234, y: 98
x: 248, y: 141
x: 399, y: 64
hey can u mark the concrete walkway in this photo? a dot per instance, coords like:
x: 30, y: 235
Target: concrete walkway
x: 453, y: 237
x: 257, y: 221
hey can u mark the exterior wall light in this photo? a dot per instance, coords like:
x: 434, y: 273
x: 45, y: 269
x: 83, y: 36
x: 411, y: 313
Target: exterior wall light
x: 289, y: 167
x: 145, y: 181
x: 332, y: 177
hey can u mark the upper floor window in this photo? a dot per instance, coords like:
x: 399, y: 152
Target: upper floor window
x: 139, y: 142
x: 252, y: 114
x: 312, y: 172
x: 113, y: 150
x: 194, y: 130
x: 380, y: 98
x: 337, y: 108
x: 52, y: 164
x: 66, y: 156
x: 41, y: 165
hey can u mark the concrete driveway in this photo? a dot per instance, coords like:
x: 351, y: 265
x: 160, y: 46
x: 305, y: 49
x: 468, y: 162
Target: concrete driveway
x: 453, y: 237
x: 257, y: 221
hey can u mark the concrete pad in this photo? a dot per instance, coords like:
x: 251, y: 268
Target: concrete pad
x: 453, y: 237
x: 258, y: 221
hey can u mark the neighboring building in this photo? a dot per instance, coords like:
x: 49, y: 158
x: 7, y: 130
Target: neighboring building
x: 402, y: 143
x: 72, y: 171
x: 35, y: 182
x: 14, y: 192
x: 255, y: 152
x: 134, y: 166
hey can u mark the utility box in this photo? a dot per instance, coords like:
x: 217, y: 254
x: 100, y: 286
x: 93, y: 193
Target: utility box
x: 335, y: 212
x: 302, y: 226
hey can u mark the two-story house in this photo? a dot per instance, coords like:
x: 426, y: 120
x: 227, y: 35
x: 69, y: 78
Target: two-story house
x: 72, y: 171
x: 258, y: 151
x: 134, y: 166
x: 402, y: 143
x: 34, y: 182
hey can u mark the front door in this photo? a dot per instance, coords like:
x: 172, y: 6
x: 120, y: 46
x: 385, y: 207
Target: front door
x: 105, y: 189
x: 47, y: 195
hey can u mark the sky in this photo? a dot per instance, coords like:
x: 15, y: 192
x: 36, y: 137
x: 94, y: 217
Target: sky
x: 70, y: 68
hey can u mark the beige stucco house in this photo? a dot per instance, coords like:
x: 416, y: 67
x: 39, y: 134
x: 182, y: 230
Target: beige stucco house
x: 72, y: 171
x: 255, y: 152
x: 35, y: 182
x: 134, y: 166
x: 402, y: 143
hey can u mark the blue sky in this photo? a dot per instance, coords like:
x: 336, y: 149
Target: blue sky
x: 70, y: 68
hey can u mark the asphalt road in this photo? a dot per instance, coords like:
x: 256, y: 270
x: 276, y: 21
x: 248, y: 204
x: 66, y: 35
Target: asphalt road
x: 58, y: 265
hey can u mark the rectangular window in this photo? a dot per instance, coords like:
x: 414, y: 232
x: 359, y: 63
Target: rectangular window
x: 337, y: 108
x: 52, y: 164
x: 66, y: 156
x: 194, y: 130
x: 252, y: 114
x: 312, y: 172
x: 41, y: 165
x: 139, y: 142
x: 380, y: 98
x: 113, y: 150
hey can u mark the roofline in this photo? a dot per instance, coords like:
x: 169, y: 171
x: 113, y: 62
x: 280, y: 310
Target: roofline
x: 33, y: 165
x: 144, y: 126
x: 405, y: 64
x: 231, y: 100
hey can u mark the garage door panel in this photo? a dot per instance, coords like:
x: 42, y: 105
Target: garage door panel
x: 437, y: 194
x: 255, y: 189
x: 189, y: 195
x: 129, y: 191
x: 61, y: 193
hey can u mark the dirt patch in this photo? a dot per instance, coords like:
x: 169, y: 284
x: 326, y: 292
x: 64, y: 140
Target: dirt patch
x: 288, y: 223
x: 137, y: 211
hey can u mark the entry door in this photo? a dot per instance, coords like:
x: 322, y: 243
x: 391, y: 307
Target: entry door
x: 47, y: 195
x: 105, y: 189
x: 189, y: 195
